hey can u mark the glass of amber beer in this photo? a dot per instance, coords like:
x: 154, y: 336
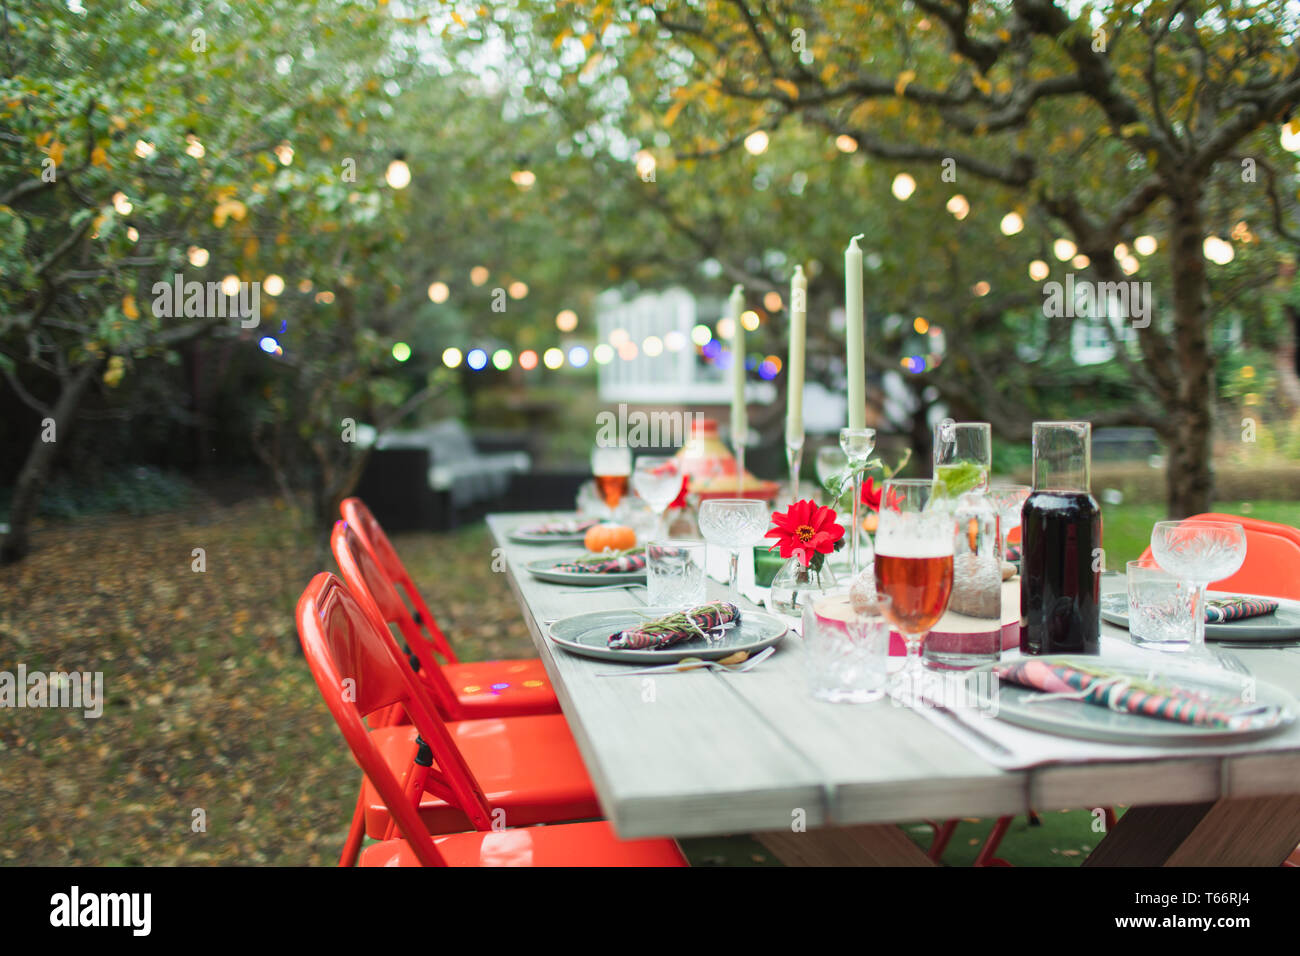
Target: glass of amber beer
x: 611, y: 465
x: 914, y: 551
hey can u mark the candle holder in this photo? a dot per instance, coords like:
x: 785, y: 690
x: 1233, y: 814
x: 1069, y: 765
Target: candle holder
x: 738, y: 448
x: 857, y: 444
x: 794, y: 458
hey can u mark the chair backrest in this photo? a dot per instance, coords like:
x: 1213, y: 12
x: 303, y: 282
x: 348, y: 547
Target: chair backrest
x: 359, y: 671
x: 1272, y: 565
x: 363, y: 574
x: 356, y: 514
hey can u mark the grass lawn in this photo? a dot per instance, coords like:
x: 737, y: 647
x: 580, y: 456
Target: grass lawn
x: 211, y: 716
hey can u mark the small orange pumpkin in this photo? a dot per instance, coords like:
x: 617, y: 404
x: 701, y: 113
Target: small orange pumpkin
x: 610, y: 537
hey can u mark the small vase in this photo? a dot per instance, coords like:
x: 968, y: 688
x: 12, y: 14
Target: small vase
x: 796, y: 586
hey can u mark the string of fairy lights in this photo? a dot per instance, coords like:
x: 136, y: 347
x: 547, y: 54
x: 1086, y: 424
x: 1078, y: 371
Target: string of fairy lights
x: 708, y: 342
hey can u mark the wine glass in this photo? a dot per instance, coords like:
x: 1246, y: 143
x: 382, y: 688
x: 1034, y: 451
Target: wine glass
x: 914, y: 556
x: 611, y: 465
x: 734, y: 523
x: 1199, y: 552
x: 832, y: 466
x: 658, y: 480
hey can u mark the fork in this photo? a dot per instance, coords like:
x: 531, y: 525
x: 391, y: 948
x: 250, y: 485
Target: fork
x: 690, y: 664
x: 602, y: 587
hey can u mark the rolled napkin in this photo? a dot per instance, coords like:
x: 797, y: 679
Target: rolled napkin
x: 1123, y: 692
x: 619, y: 562
x: 1218, y: 610
x: 673, y: 628
x: 567, y: 526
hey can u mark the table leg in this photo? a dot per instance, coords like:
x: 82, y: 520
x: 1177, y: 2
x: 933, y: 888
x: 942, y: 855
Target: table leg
x: 1251, y: 831
x: 870, y: 845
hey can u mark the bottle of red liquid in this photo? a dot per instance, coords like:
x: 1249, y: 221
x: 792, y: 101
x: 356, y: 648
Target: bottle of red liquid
x: 1061, y: 557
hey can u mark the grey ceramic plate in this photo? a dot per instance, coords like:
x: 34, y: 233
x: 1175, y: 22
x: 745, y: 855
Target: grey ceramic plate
x: 542, y: 570
x: 587, y: 634
x: 1282, y: 625
x: 521, y: 535
x: 1072, y: 718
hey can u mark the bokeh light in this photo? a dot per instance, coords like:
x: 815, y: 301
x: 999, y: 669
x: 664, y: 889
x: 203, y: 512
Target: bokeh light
x: 903, y: 187
x: 756, y: 143
x: 398, y: 175
x: 451, y: 357
x: 477, y: 359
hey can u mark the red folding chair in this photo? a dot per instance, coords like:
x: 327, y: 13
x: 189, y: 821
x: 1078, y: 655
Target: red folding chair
x: 502, y: 688
x: 360, y: 672
x: 529, y: 766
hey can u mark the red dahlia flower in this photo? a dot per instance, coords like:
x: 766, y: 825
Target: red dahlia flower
x: 805, y: 530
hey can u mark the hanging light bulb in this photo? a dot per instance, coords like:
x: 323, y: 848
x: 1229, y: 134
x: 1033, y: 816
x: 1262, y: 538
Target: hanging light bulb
x: 398, y: 175
x: 1064, y: 249
x: 903, y: 187
x: 756, y: 143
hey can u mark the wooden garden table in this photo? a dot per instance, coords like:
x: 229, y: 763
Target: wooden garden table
x: 706, y: 753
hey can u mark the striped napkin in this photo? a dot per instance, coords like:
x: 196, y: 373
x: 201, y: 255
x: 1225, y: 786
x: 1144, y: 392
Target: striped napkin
x: 701, y: 621
x: 615, y: 564
x: 1123, y: 692
x: 568, y: 526
x: 1218, y: 610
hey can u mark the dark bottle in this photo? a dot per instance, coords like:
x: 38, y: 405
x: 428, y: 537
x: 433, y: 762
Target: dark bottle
x: 1061, y: 556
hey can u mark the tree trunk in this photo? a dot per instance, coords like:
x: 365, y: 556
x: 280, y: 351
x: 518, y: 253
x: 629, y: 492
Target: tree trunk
x: 1189, y: 473
x: 36, y: 469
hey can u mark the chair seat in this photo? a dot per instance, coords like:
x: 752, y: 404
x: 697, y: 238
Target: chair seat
x: 528, y: 767
x: 572, y: 844
x: 513, y: 688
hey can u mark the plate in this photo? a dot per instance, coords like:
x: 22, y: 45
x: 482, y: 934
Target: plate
x: 1282, y: 625
x: 520, y: 535
x: 586, y: 634
x: 542, y: 570
x: 1071, y: 718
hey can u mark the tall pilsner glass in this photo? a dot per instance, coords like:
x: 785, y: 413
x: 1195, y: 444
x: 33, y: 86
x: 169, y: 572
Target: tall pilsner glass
x: 1061, y: 564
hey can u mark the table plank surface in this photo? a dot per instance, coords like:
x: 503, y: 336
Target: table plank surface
x: 707, y: 753
x: 673, y: 755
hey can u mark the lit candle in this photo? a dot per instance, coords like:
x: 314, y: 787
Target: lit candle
x: 855, y: 361
x: 739, y: 415
x: 794, y: 364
